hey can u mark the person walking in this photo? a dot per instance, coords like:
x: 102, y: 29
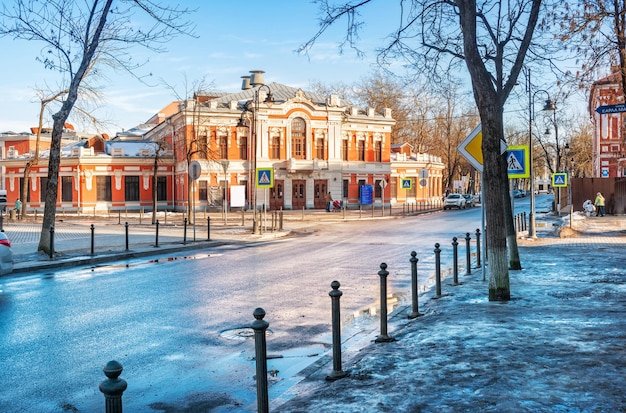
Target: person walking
x: 599, y: 203
x: 329, y: 202
x: 18, y: 208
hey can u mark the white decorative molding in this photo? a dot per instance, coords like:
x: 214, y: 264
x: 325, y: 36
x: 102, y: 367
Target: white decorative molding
x: 146, y: 179
x: 118, y: 179
x: 88, y: 179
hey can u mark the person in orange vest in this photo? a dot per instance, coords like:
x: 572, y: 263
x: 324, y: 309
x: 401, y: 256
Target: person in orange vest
x: 599, y: 203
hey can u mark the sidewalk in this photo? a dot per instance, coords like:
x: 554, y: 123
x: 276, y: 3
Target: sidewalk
x: 72, y: 235
x: 558, y: 346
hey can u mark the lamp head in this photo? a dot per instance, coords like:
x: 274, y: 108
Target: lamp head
x: 550, y: 106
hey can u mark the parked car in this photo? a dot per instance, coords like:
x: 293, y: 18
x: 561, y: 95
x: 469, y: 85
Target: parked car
x: 454, y: 201
x: 469, y: 200
x: 518, y: 193
x: 6, y: 255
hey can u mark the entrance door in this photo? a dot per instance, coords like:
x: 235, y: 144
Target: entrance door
x: 320, y: 189
x: 277, y: 195
x: 298, y: 199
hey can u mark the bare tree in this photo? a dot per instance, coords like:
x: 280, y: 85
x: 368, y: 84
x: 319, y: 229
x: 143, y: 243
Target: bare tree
x: 74, y: 33
x: 492, y: 39
x: 35, y: 160
x: 595, y: 32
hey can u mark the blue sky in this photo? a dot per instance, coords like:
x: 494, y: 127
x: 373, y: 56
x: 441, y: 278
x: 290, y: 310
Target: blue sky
x: 234, y: 37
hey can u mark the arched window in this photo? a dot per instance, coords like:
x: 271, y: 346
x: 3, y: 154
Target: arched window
x: 298, y: 138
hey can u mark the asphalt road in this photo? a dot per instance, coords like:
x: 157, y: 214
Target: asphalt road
x: 179, y: 324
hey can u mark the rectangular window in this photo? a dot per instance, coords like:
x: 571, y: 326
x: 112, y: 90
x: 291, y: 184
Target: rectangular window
x: 243, y: 148
x: 275, y: 148
x: 161, y: 188
x: 378, y: 190
x: 378, y: 153
x: 103, y: 188
x: 43, y: 185
x: 346, y: 185
x: 223, y: 147
x: 360, y: 146
x: 298, y: 148
x: 319, y: 148
x: 394, y: 188
x: 344, y: 150
x: 66, y: 189
x: 203, y: 144
x: 202, y: 190
x: 131, y: 188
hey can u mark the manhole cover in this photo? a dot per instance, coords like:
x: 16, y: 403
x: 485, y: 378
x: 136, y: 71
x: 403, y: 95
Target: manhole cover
x: 241, y: 333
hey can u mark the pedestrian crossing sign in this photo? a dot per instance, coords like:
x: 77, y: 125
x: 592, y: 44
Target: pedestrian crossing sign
x: 407, y: 183
x: 265, y: 177
x: 559, y: 179
x: 517, y: 162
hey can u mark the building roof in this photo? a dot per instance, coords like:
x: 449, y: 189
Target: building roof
x: 280, y: 93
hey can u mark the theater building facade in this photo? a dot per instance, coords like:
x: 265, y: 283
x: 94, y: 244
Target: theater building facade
x: 307, y: 145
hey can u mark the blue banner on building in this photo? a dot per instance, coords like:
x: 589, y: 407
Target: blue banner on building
x: 367, y: 194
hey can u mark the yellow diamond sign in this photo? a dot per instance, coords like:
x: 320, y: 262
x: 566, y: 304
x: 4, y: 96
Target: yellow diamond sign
x: 471, y: 148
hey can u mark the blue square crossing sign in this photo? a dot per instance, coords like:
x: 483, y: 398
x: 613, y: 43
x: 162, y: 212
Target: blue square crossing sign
x: 518, y: 162
x: 265, y: 177
x: 559, y: 179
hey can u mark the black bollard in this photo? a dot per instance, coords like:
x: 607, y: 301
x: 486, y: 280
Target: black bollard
x: 383, y: 337
x: 468, y: 254
x: 280, y: 226
x: 51, y: 243
x: 415, y: 305
x: 335, y: 294
x: 185, y: 231
x: 524, y: 226
x: 1, y: 221
x: 156, y: 239
x: 260, y: 347
x: 119, y: 217
x: 477, y: 248
x: 208, y: 228
x: 126, y: 228
x: 455, y: 261
x: 437, y: 270
x: 92, y: 239
x: 113, y: 387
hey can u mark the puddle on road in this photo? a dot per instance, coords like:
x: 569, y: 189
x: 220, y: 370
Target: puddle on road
x: 158, y: 261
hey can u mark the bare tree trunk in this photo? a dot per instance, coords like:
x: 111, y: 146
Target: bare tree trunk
x: 52, y: 189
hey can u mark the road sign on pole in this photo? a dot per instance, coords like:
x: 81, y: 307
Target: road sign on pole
x: 472, y: 148
x: 195, y: 169
x: 611, y: 108
x: 265, y: 177
x: 518, y: 162
x: 559, y: 179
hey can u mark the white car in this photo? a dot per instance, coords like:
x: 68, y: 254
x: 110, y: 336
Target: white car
x: 6, y: 255
x: 454, y: 201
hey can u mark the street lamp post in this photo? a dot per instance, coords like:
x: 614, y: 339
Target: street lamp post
x: 255, y: 81
x: 549, y: 105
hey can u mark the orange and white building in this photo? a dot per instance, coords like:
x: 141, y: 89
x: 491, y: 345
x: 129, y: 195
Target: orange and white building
x: 308, y: 144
